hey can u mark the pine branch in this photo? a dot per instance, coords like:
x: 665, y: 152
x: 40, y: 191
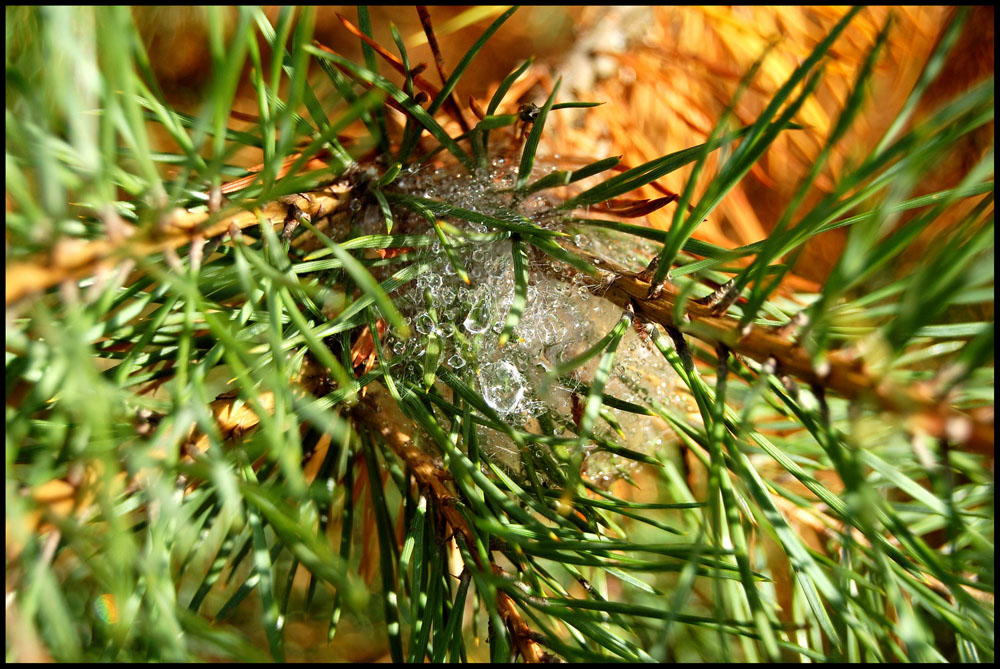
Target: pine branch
x: 200, y: 414
x: 842, y: 371
x: 383, y: 414
x: 179, y: 228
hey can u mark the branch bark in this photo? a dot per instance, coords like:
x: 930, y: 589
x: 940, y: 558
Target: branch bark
x: 380, y: 412
x: 844, y: 373
x: 77, y: 259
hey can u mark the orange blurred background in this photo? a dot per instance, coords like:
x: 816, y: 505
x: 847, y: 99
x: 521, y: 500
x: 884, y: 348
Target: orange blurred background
x: 667, y: 74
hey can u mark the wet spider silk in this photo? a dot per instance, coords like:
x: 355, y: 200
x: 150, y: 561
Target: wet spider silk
x: 461, y: 323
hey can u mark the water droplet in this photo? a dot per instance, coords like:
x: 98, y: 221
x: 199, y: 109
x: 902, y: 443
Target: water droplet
x: 431, y: 280
x: 456, y: 361
x: 502, y: 386
x: 478, y: 319
x: 425, y: 324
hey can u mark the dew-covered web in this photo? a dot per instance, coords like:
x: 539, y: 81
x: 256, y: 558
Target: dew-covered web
x: 561, y: 318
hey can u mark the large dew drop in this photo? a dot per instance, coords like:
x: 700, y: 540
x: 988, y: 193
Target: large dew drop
x: 502, y: 386
x: 425, y: 324
x: 479, y: 318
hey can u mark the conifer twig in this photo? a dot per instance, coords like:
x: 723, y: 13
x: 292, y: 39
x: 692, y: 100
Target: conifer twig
x: 81, y: 259
x: 384, y: 415
x: 842, y: 372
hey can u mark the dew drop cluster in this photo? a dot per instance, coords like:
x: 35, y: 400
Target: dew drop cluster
x: 460, y: 325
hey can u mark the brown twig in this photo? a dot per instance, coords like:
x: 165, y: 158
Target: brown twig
x: 451, y: 104
x: 76, y: 259
x: 395, y: 62
x: 842, y: 372
x: 381, y: 413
